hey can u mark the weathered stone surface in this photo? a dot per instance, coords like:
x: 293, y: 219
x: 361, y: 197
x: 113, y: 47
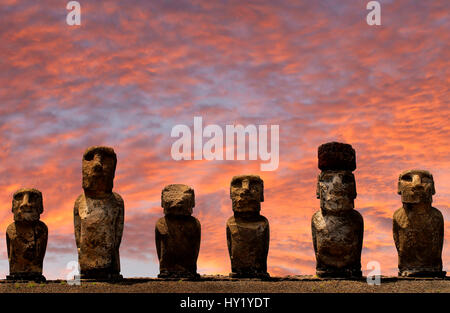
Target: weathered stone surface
x: 337, y: 229
x: 418, y: 228
x: 178, y: 234
x: 99, y: 217
x: 247, y: 231
x: 336, y: 156
x: 337, y: 243
x: 336, y: 191
x: 26, y: 238
x: 177, y: 199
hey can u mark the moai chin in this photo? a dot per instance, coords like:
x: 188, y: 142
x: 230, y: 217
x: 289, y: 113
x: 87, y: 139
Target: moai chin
x: 26, y: 237
x: 418, y: 228
x: 337, y: 229
x: 99, y: 217
x: 177, y: 234
x: 247, y: 231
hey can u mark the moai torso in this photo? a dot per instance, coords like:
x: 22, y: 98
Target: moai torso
x: 100, y: 229
x: 337, y: 243
x: 179, y: 241
x: 177, y: 234
x: 247, y: 231
x: 99, y: 217
x: 26, y: 238
x: 337, y: 229
x: 248, y: 244
x: 418, y: 228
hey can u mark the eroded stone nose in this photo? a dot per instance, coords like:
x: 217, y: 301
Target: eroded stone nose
x: 97, y: 162
x: 416, y: 180
x: 337, y: 180
x: 25, y: 201
x: 245, y: 185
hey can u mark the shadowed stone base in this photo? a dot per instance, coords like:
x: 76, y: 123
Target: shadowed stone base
x: 250, y: 275
x: 99, y: 275
x: 29, y: 276
x: 111, y: 279
x: 175, y: 275
x: 339, y: 273
x: 421, y: 273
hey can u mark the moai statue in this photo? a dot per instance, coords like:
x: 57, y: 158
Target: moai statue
x: 26, y: 238
x: 248, y: 230
x: 99, y: 217
x: 337, y: 229
x: 177, y: 234
x: 418, y: 227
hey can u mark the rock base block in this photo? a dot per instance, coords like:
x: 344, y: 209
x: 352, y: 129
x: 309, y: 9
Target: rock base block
x: 26, y: 277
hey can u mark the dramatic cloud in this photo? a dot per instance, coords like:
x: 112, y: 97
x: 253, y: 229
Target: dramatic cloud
x: 135, y: 69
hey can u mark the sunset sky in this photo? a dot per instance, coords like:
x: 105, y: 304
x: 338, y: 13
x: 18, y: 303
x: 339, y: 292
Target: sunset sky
x: 135, y: 69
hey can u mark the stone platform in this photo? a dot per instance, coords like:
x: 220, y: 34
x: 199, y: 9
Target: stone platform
x: 225, y: 284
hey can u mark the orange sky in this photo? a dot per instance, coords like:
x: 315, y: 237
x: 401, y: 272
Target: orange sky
x: 131, y: 72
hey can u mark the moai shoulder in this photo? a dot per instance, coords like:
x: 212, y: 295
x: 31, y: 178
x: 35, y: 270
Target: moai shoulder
x: 258, y: 223
x: 163, y: 223
x: 402, y: 218
x: 330, y: 223
x: 27, y: 236
x: 113, y: 204
x: 178, y: 233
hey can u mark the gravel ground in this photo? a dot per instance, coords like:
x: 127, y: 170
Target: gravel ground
x: 226, y: 285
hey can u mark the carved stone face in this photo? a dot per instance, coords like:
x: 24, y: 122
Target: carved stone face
x: 336, y: 190
x: 99, y: 166
x: 247, y: 193
x: 416, y: 186
x: 178, y: 199
x: 27, y: 205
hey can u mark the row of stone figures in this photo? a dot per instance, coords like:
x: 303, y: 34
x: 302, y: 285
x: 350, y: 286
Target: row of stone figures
x: 337, y: 229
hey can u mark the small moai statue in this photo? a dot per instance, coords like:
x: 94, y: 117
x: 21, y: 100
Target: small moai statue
x: 99, y: 217
x: 26, y: 238
x: 418, y: 228
x: 177, y: 234
x: 337, y: 229
x: 247, y: 230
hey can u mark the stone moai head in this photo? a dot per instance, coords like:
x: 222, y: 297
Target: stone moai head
x: 99, y: 167
x: 416, y: 186
x: 247, y: 193
x: 336, y: 187
x: 27, y: 205
x: 177, y: 199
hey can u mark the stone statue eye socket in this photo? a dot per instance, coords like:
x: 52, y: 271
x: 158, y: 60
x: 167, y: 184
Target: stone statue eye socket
x: 347, y: 179
x: 237, y: 183
x: 33, y: 197
x: 89, y: 157
x: 254, y: 184
x: 18, y: 197
x: 426, y: 180
x: 407, y: 178
x: 327, y: 178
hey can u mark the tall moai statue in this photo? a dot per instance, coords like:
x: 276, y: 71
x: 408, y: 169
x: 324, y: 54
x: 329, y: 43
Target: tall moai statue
x: 418, y: 227
x: 99, y: 217
x: 248, y: 231
x: 177, y: 234
x: 337, y: 229
x: 26, y: 238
